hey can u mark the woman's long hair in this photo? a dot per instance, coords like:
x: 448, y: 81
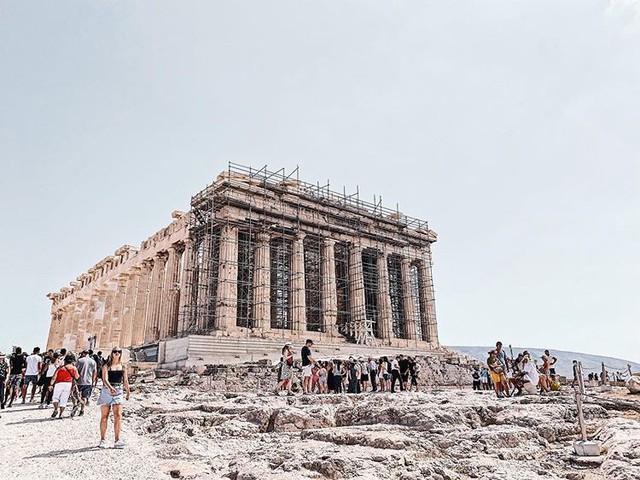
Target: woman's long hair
x: 110, y: 358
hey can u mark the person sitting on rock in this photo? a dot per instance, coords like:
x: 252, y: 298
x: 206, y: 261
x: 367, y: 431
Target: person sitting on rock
x: 515, y: 381
x: 530, y: 376
x: 544, y: 383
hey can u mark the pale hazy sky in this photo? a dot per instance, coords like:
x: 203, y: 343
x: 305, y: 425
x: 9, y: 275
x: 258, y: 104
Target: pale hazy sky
x: 512, y: 127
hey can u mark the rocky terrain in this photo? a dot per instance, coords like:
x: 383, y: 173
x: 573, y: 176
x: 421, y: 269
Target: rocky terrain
x: 201, y: 428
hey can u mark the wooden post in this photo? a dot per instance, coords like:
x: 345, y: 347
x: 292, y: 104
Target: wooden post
x: 578, y: 393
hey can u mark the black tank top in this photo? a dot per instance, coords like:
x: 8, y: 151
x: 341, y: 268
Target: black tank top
x: 115, y: 376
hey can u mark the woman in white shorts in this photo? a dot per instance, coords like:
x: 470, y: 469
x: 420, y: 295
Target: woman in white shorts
x: 61, y: 384
x: 115, y: 388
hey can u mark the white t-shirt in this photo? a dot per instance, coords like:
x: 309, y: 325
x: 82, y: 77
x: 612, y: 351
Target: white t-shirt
x: 531, y: 372
x: 32, y: 364
x: 373, y: 366
x: 51, y: 369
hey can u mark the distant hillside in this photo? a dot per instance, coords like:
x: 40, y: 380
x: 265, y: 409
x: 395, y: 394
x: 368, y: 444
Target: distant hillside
x: 590, y: 363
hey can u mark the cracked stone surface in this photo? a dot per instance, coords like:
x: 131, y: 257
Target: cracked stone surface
x: 439, y: 434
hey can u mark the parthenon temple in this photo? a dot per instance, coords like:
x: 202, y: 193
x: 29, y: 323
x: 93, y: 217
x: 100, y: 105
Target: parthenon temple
x: 260, y: 258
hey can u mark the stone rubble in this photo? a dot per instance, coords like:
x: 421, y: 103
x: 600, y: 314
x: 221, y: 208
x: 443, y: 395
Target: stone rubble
x: 444, y: 434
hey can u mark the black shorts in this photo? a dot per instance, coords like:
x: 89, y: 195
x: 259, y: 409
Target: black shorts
x: 85, y: 390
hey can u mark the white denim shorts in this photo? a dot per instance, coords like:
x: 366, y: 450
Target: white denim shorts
x: 106, y: 398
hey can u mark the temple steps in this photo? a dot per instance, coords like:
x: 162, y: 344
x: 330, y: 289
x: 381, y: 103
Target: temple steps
x: 205, y: 349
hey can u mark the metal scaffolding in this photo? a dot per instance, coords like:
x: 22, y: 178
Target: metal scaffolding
x: 228, y: 278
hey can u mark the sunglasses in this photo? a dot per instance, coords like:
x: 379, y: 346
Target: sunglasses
x: 117, y: 351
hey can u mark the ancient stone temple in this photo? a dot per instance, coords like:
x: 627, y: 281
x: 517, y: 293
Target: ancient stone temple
x: 260, y: 258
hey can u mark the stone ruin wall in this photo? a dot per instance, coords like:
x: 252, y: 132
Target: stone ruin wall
x: 260, y: 257
x: 128, y: 298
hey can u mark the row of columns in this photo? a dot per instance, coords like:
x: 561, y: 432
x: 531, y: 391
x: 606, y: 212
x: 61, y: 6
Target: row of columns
x: 142, y: 305
x: 137, y: 307
x: 361, y: 328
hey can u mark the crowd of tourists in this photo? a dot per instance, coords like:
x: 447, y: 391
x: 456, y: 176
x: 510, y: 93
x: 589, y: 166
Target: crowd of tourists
x: 521, y: 375
x: 56, y: 378
x: 352, y: 375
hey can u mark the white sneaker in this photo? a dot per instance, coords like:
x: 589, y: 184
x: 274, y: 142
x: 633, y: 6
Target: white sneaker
x: 119, y: 444
x: 103, y: 444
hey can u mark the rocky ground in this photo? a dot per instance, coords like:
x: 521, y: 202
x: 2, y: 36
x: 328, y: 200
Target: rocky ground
x: 209, y: 426
x: 439, y: 434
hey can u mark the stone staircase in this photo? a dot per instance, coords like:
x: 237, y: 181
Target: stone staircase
x: 208, y: 350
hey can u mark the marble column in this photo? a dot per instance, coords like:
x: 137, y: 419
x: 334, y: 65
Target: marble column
x: 156, y: 287
x: 385, y: 326
x: 54, y: 327
x: 72, y: 340
x: 68, y: 313
x: 115, y: 330
x: 204, y: 310
x: 67, y: 319
x: 171, y: 294
x: 142, y: 304
x: 98, y: 316
x: 84, y: 322
x: 262, y: 283
x: 298, y: 303
x: 408, y: 300
x: 186, y: 287
x: 329, y: 299
x: 227, y: 294
x: 429, y: 321
x: 129, y: 307
x: 104, y: 341
x: 358, y: 327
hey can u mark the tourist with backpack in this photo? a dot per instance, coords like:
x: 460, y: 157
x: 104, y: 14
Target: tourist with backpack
x: 17, y: 367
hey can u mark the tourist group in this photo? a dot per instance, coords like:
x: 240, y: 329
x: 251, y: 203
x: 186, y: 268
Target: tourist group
x: 352, y: 375
x: 60, y: 377
x: 516, y: 376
